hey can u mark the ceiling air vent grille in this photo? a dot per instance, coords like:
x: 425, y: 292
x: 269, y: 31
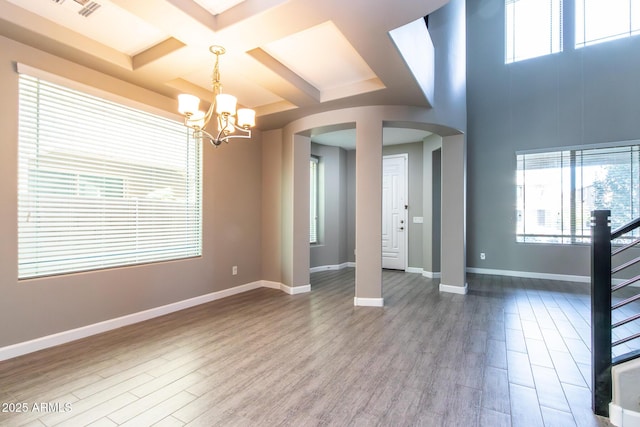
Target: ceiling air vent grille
x: 88, y: 7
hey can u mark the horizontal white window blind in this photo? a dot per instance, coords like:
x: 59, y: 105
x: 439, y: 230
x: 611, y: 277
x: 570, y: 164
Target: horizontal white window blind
x: 101, y: 184
x: 556, y: 192
x: 600, y: 21
x: 533, y: 28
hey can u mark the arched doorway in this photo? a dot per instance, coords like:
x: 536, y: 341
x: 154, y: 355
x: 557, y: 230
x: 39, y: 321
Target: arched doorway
x: 369, y: 124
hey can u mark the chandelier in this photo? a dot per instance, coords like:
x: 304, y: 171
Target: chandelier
x: 223, y: 108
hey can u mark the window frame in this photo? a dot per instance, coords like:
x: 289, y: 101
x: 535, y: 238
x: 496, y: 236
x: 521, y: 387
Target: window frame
x: 514, y: 33
x: 581, y: 17
x: 583, y: 176
x: 314, y: 200
x: 54, y: 168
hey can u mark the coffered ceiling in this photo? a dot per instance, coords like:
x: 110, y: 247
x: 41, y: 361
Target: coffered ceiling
x: 285, y: 58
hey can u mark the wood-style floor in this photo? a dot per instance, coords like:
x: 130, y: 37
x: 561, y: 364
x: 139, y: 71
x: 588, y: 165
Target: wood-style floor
x: 511, y: 352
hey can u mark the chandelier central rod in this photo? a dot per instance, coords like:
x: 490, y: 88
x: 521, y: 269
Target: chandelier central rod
x: 215, y: 76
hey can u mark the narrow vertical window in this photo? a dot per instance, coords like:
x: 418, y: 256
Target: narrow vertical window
x: 313, y: 199
x: 532, y: 28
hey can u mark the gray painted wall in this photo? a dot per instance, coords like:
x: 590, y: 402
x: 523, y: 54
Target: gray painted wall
x: 447, y: 27
x: 577, y: 97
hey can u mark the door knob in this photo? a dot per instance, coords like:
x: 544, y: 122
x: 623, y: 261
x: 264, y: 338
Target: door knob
x: 401, y: 228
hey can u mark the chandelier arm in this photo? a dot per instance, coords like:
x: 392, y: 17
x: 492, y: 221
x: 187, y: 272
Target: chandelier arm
x: 222, y: 137
x: 223, y: 123
x: 242, y: 129
x: 248, y: 136
x: 247, y: 132
x: 210, y: 111
x: 199, y: 133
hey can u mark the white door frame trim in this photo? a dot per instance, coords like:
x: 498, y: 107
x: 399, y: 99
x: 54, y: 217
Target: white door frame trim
x: 405, y: 157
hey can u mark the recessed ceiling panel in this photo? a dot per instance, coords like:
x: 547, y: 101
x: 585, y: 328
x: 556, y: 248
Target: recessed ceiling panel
x: 99, y: 20
x: 249, y: 94
x: 322, y: 56
x: 216, y: 7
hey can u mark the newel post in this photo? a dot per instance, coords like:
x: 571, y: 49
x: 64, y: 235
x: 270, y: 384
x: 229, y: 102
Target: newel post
x: 601, y: 311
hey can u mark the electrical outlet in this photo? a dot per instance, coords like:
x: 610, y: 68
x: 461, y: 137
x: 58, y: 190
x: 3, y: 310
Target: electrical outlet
x: 234, y: 270
x: 483, y: 255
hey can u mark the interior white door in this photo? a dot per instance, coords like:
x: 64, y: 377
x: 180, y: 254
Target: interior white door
x: 394, y: 212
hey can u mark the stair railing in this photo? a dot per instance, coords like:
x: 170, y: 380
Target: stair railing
x: 602, y: 307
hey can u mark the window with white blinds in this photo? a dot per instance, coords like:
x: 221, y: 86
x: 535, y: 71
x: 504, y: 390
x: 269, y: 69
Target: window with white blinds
x: 556, y: 192
x: 101, y: 184
x: 599, y: 21
x: 313, y: 200
x: 532, y: 28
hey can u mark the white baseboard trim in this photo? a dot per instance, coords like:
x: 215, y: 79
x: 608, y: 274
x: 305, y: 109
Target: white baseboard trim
x: 295, y: 290
x: 41, y: 343
x: 271, y: 285
x: 460, y: 290
x: 368, y: 302
x: 544, y: 276
x: 332, y: 267
x: 530, y: 274
x: 431, y: 274
x: 19, y: 349
x: 423, y: 272
x: 620, y: 417
x: 487, y: 271
x: 286, y: 289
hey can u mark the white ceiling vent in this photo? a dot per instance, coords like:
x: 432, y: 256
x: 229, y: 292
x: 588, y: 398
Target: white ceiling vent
x: 88, y: 7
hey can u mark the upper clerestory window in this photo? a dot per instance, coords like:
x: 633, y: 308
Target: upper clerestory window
x: 532, y: 28
x: 599, y: 21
